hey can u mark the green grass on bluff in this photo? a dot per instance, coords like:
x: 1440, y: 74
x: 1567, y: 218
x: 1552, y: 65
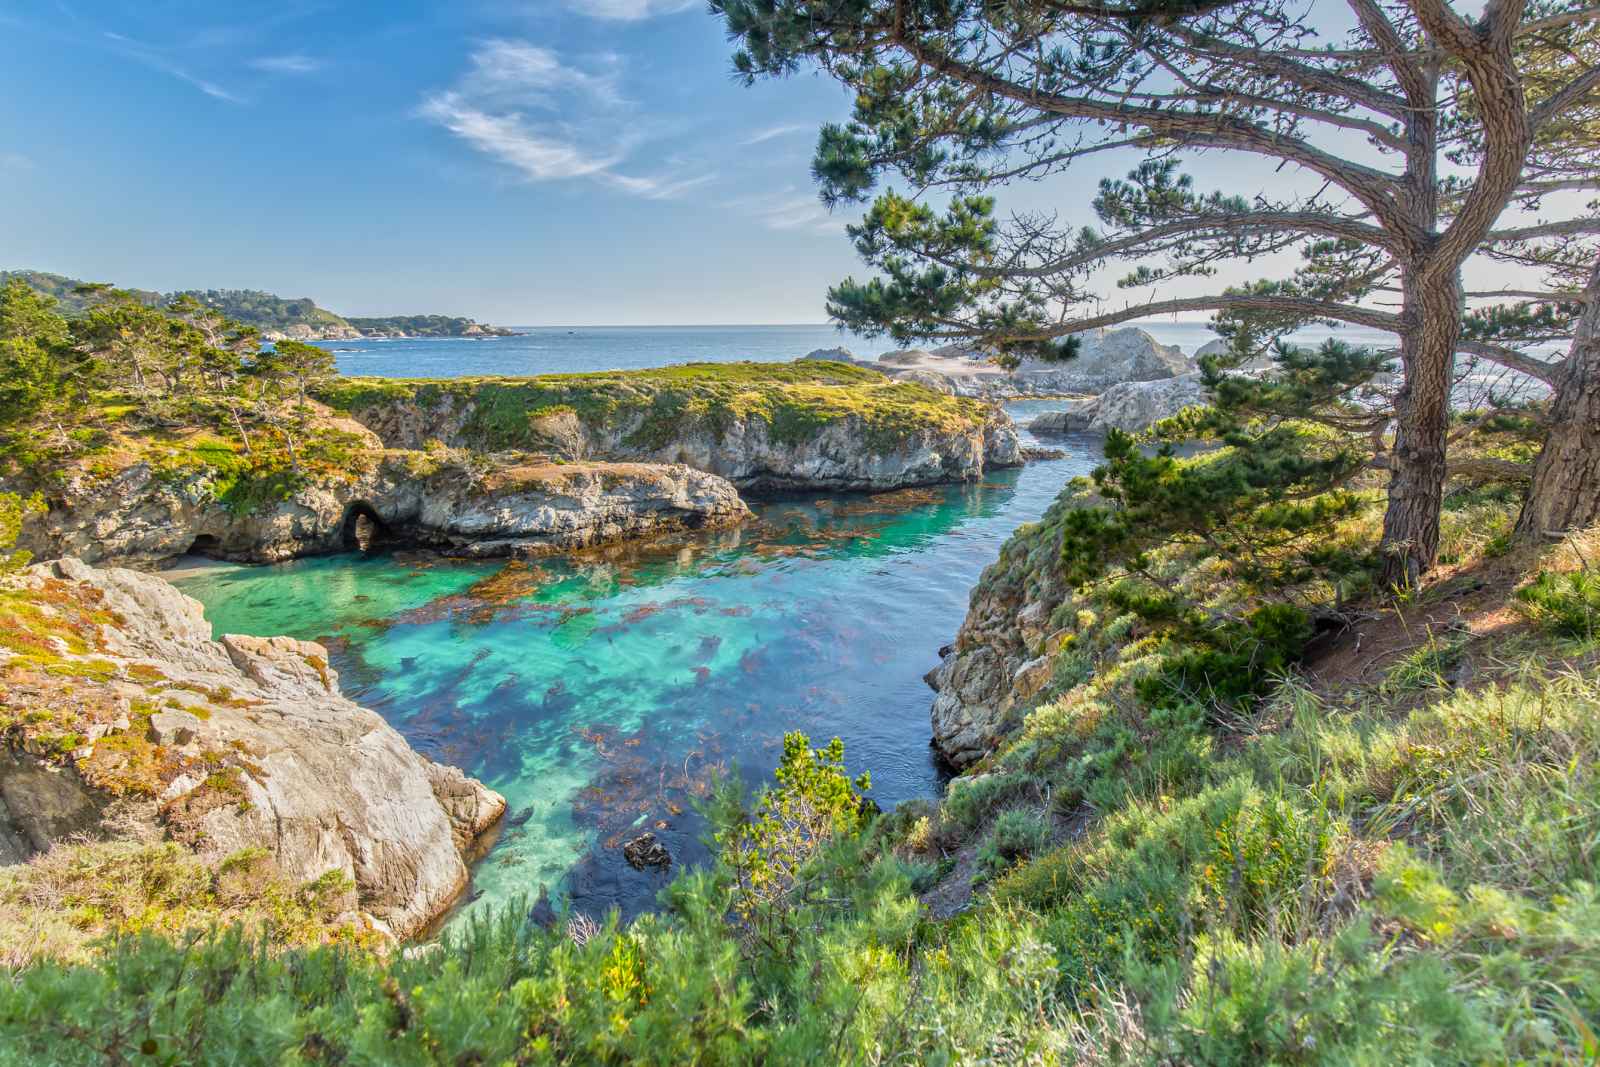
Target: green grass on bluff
x: 664, y: 404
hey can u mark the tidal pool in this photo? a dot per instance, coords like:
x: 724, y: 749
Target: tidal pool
x: 601, y: 692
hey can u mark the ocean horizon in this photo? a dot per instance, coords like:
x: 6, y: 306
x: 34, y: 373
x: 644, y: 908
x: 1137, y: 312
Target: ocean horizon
x: 576, y: 349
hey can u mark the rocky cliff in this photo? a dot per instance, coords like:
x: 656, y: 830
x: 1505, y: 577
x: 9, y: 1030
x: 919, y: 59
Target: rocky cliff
x: 810, y: 425
x: 119, y: 715
x: 1003, y: 656
x: 463, y: 504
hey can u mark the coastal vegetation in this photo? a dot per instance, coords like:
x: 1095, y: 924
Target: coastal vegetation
x: 667, y: 404
x: 1385, y: 857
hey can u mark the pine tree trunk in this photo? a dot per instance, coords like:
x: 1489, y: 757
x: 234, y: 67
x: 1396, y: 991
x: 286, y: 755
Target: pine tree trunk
x: 1422, y: 411
x: 1566, y: 478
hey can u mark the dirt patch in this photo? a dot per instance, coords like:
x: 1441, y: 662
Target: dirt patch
x: 1470, y: 602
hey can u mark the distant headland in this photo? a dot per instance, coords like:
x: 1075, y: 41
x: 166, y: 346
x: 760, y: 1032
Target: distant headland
x: 278, y: 318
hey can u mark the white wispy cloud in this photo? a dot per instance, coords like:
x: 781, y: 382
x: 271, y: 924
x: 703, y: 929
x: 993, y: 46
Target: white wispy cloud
x: 14, y: 163
x: 294, y: 63
x: 153, y: 59
x: 517, y: 73
x: 774, y: 132
x: 509, y: 139
x: 792, y: 210
x: 629, y: 10
x: 547, y: 119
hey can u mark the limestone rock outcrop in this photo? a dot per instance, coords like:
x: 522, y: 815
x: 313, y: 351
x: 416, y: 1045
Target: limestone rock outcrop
x: 476, y: 506
x: 242, y: 741
x: 849, y: 452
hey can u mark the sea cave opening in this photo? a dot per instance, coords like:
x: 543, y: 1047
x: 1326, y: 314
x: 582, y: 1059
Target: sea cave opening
x: 205, y: 545
x: 363, y: 530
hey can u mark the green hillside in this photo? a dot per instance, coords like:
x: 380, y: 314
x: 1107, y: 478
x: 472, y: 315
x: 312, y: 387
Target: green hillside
x: 265, y: 311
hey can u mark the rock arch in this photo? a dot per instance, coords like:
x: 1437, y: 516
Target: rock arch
x: 362, y: 529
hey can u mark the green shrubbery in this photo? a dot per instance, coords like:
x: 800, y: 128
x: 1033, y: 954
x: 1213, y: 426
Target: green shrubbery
x: 1568, y: 604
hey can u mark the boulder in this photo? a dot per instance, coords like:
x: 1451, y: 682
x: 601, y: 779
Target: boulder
x: 1074, y: 418
x: 645, y: 851
x: 1136, y: 406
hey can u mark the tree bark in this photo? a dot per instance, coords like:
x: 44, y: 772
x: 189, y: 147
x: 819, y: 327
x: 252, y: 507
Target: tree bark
x: 1422, y: 413
x: 1566, y: 478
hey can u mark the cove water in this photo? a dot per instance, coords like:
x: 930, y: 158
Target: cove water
x: 603, y: 692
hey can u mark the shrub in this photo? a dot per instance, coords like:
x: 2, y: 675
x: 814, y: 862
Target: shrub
x: 1016, y: 835
x: 1566, y: 604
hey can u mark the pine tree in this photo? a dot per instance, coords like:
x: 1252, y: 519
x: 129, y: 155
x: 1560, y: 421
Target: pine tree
x: 36, y: 360
x: 968, y: 95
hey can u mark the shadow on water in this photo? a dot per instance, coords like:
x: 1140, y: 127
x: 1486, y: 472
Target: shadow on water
x: 603, y: 692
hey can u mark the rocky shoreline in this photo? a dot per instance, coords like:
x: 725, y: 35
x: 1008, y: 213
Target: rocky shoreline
x: 1122, y: 379
x: 831, y: 430
x: 469, y: 506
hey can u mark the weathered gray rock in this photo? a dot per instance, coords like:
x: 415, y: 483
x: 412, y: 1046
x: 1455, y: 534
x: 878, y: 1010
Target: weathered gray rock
x: 842, y: 454
x: 1108, y: 357
x: 514, y: 505
x: 1136, y: 406
x: 1001, y: 658
x: 1130, y: 407
x: 1075, y: 417
x: 329, y: 785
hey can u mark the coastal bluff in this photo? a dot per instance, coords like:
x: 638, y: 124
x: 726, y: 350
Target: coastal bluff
x: 125, y: 721
x: 810, y: 425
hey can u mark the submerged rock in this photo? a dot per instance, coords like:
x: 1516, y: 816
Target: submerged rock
x: 252, y: 746
x: 645, y: 851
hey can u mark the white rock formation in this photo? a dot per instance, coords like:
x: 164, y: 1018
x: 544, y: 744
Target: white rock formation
x: 1131, y: 407
x: 1107, y: 358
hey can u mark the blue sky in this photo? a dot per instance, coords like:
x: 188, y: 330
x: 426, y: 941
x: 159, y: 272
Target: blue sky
x: 590, y: 161
x: 520, y: 161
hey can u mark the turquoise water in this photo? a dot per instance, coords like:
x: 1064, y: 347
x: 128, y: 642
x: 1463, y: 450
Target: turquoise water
x: 600, y: 693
